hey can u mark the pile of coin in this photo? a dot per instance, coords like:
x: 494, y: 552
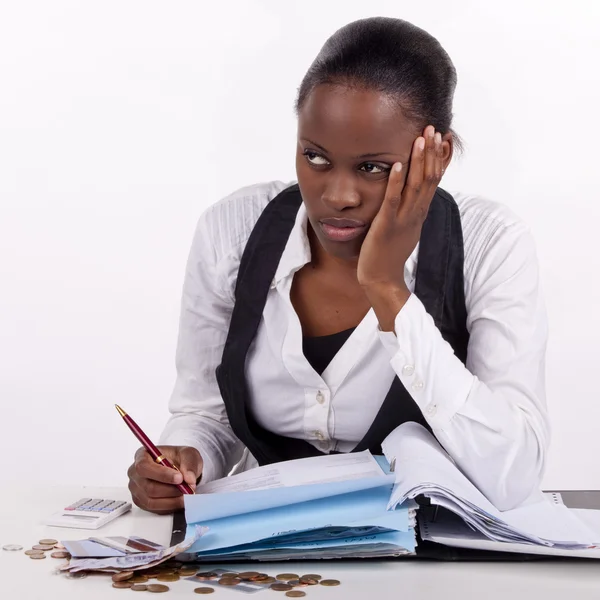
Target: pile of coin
x: 171, y: 571
x: 39, y: 551
x: 284, y: 582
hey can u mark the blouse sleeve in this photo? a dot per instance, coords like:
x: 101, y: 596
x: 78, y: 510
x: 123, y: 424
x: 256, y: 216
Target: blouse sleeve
x: 199, y: 418
x: 490, y: 415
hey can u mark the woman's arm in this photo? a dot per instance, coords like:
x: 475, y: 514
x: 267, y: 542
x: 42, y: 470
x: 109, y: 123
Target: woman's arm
x: 489, y: 415
x: 198, y: 416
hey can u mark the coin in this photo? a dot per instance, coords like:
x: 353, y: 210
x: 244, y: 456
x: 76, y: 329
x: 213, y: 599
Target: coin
x: 37, y: 556
x: 77, y: 575
x: 59, y: 547
x: 286, y: 576
x: 12, y: 547
x: 187, y: 571
x: 267, y: 580
x: 311, y: 576
x: 280, y: 587
x: 207, y: 576
x: 122, y: 585
x: 204, y: 590
x: 122, y: 576
x: 229, y: 581
x: 139, y: 587
x: 248, y: 574
x: 229, y: 574
x: 60, y: 554
x: 329, y: 582
x: 43, y: 547
x: 295, y: 594
x: 32, y: 552
x: 308, y: 581
x: 169, y: 577
x: 157, y: 588
x: 48, y: 542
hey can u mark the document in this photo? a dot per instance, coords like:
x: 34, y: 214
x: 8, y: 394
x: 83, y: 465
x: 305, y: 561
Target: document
x: 306, y: 471
x: 423, y: 467
x: 285, y: 483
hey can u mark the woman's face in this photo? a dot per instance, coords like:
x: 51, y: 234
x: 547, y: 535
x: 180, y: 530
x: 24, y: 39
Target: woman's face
x: 348, y: 139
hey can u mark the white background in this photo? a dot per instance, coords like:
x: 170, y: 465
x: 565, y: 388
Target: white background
x: 120, y: 121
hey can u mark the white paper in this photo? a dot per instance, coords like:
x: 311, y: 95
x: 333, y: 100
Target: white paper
x: 423, y: 467
x: 304, y: 471
x: 450, y: 530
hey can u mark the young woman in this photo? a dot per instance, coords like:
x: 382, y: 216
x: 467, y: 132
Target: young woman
x: 318, y: 317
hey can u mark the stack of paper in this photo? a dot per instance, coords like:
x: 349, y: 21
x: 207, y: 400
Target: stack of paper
x: 325, y: 507
x: 422, y: 467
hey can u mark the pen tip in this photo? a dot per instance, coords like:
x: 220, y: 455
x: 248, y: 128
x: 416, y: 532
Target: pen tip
x: 121, y: 411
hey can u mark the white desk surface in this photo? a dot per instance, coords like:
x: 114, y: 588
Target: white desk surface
x: 21, y: 578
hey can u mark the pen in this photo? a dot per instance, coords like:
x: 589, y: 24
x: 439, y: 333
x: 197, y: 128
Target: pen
x: 154, y: 452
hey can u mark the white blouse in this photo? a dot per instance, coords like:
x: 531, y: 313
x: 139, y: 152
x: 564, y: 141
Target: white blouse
x: 490, y: 416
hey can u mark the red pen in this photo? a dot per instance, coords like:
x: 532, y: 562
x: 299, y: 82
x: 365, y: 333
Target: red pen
x: 154, y: 452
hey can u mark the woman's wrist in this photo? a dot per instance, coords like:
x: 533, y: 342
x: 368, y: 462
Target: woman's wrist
x: 387, y: 301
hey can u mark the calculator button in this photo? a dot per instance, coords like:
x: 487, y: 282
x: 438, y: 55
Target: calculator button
x: 76, y: 505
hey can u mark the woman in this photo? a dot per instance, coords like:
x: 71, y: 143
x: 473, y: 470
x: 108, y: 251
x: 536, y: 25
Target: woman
x: 319, y: 317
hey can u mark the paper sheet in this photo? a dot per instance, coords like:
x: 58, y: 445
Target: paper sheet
x: 358, y: 508
x: 283, y: 484
x: 422, y: 466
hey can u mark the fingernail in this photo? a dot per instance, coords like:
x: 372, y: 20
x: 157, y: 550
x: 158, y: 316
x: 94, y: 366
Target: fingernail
x: 431, y: 131
x: 421, y: 143
x: 398, y: 167
x: 438, y: 138
x: 178, y: 478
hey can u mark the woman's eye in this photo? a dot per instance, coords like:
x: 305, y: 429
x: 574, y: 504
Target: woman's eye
x: 315, y: 159
x: 374, y: 169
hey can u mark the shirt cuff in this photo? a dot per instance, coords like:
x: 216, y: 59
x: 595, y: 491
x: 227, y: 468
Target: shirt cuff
x: 426, y: 365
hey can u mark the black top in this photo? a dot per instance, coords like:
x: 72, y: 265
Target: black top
x: 319, y: 351
x: 439, y: 285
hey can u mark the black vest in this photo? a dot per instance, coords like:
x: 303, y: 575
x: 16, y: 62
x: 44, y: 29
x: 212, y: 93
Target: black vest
x: 439, y: 285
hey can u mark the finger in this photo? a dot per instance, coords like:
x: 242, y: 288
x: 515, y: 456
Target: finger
x: 146, y: 468
x: 439, y: 157
x: 430, y: 168
x: 190, y: 465
x: 155, y: 489
x: 414, y: 181
x: 393, y: 192
x: 161, y: 506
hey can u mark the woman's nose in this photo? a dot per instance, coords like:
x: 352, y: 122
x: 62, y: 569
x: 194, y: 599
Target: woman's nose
x: 341, y: 193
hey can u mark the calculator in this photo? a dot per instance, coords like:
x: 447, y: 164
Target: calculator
x: 89, y: 513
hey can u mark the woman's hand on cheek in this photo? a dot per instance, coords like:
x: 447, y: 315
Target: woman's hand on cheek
x: 396, y: 229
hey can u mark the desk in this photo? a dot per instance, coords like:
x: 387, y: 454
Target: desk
x: 405, y: 579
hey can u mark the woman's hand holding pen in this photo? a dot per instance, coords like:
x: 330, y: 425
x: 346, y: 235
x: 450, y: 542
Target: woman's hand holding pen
x: 153, y: 487
x: 396, y: 229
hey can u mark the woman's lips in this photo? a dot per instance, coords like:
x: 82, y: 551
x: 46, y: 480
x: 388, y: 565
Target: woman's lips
x: 342, y: 230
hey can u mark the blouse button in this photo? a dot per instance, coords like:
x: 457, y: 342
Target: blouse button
x: 320, y: 397
x: 408, y: 370
x: 417, y: 385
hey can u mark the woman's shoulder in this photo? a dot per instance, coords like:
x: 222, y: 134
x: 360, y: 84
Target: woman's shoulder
x: 477, y: 211
x: 229, y: 221
x: 491, y: 230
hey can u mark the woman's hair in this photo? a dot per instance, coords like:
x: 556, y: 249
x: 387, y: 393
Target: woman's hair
x: 394, y: 57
